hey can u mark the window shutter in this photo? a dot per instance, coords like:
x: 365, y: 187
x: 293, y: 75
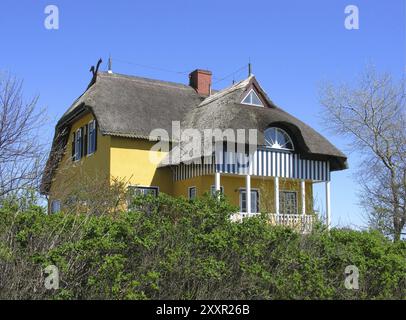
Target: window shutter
x: 82, y: 140
x: 95, y: 135
x: 85, y: 139
x: 73, y: 145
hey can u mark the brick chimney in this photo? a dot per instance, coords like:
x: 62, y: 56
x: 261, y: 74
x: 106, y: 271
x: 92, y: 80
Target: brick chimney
x: 200, y: 80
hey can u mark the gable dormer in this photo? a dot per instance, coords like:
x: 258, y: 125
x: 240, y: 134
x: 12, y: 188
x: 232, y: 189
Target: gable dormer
x: 252, y: 99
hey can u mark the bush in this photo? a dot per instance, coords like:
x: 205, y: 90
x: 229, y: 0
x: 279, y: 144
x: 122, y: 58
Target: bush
x: 180, y: 249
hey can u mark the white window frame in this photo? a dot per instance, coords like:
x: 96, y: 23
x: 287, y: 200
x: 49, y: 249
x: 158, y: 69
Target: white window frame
x: 78, y: 144
x: 58, y: 204
x: 89, y: 140
x: 280, y: 199
x: 156, y: 188
x: 189, y: 190
x: 129, y: 200
x: 279, y: 148
x: 242, y: 190
x: 252, y: 104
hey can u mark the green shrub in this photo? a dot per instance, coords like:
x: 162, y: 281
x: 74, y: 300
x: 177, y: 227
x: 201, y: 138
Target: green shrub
x: 180, y: 249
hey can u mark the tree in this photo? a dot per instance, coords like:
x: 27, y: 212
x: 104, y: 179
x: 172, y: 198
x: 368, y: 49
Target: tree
x: 372, y: 116
x: 21, y: 153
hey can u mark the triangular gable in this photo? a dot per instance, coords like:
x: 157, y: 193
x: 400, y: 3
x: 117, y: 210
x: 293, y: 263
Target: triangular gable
x: 259, y: 92
x: 252, y: 99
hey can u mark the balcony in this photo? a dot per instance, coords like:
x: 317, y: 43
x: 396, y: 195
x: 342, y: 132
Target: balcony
x: 300, y: 222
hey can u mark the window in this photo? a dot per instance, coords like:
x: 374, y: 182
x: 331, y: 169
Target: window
x: 277, y: 138
x: 288, y: 202
x: 139, y: 191
x: 192, y: 192
x: 55, y: 206
x: 84, y: 141
x: 252, y: 99
x: 136, y: 191
x: 77, y: 145
x: 254, y: 201
x: 213, y: 190
x: 91, y: 137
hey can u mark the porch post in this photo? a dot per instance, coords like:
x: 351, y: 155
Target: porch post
x: 328, y: 206
x: 248, y: 193
x: 276, y: 189
x: 303, y: 194
x: 217, y: 181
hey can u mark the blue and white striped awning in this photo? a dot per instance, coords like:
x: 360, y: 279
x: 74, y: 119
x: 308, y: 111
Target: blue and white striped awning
x: 263, y: 163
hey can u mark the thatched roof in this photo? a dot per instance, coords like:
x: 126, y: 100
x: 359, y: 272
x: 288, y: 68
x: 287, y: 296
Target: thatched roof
x: 132, y: 107
x: 224, y: 110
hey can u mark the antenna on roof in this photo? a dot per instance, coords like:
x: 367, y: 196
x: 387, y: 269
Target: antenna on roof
x: 109, y: 70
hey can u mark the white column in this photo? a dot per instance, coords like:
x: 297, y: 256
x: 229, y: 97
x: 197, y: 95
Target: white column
x: 248, y: 193
x: 217, y: 184
x: 276, y: 189
x: 303, y: 194
x: 328, y: 205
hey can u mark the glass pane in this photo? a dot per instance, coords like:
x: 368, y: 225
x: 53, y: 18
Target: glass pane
x: 192, y: 193
x: 243, y: 207
x: 252, y: 98
x: 288, y: 202
x: 255, y: 99
x: 280, y: 138
x: 247, y: 99
x: 254, y: 202
x: 270, y: 136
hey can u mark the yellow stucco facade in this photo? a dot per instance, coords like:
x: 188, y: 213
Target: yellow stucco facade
x: 131, y: 160
x: 233, y: 184
x: 70, y: 174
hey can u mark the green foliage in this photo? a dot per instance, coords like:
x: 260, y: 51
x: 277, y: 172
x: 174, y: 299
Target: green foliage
x: 179, y: 249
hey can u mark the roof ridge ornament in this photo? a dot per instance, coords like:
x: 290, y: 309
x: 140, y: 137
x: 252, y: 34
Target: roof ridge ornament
x: 109, y: 70
x: 94, y: 71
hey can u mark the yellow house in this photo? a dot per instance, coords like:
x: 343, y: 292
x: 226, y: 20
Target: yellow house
x: 262, y: 158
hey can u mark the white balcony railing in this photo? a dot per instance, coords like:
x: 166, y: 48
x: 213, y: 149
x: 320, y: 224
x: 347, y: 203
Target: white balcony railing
x: 300, y: 222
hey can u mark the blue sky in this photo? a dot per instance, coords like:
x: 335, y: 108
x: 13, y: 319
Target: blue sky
x: 293, y: 46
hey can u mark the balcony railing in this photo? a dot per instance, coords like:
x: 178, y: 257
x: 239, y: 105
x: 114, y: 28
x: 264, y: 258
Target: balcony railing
x: 301, y: 222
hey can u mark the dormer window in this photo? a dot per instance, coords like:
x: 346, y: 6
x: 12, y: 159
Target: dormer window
x: 276, y: 138
x: 252, y: 99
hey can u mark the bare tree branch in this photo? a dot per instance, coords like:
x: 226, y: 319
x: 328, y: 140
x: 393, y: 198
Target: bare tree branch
x: 372, y: 116
x: 21, y: 152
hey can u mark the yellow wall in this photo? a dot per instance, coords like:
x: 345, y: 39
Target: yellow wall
x: 130, y: 160
x: 232, y: 185
x: 70, y: 174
